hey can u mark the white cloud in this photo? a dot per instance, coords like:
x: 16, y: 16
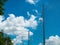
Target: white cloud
x: 32, y: 1
x: 28, y: 13
x: 53, y: 40
x: 41, y: 19
x: 40, y: 44
x: 36, y: 11
x: 18, y: 26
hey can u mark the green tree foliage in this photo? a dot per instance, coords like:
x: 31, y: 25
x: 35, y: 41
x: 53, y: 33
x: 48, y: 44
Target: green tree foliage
x: 5, y: 40
x: 2, y: 2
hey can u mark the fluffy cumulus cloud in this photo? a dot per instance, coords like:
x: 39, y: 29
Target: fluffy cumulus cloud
x: 18, y: 26
x: 32, y: 1
x: 53, y: 40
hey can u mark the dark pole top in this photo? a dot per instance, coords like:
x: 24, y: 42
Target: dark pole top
x: 43, y: 31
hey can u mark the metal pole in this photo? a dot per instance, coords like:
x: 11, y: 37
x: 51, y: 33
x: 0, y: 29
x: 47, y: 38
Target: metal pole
x: 43, y: 31
x: 22, y: 41
x: 28, y: 38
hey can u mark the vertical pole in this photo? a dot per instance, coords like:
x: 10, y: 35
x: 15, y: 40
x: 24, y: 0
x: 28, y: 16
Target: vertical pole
x: 43, y: 31
x: 28, y: 38
x: 22, y: 41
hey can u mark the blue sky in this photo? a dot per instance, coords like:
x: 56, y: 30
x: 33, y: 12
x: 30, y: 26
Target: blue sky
x: 52, y: 17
